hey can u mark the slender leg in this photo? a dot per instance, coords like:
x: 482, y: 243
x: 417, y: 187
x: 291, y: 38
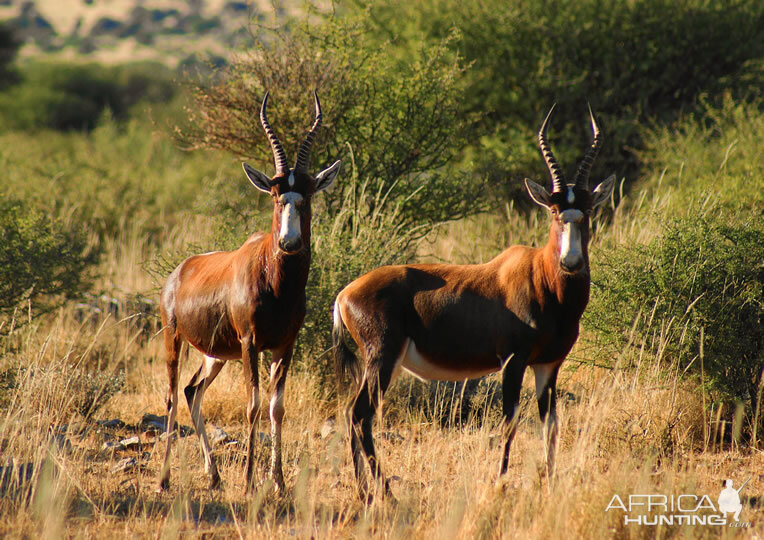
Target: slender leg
x: 279, y: 368
x: 172, y: 348
x: 511, y: 383
x: 249, y: 356
x: 546, y: 383
x: 373, y: 386
x: 194, y: 392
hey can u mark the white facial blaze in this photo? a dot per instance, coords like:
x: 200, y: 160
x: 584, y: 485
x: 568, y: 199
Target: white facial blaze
x: 290, y: 217
x: 571, y: 253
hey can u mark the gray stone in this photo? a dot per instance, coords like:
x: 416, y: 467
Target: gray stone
x: 125, y: 464
x: 217, y: 435
x: 131, y: 443
x: 327, y: 428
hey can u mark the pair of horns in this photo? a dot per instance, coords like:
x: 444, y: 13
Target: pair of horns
x: 582, y: 175
x: 279, y: 156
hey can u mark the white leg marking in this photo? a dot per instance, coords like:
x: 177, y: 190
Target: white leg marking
x: 277, y: 416
x: 542, y: 373
x: 212, y: 367
x: 165, y: 476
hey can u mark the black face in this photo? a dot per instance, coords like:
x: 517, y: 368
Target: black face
x: 292, y: 181
x: 571, y: 198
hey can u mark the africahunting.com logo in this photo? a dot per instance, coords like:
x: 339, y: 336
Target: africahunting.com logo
x: 685, y: 509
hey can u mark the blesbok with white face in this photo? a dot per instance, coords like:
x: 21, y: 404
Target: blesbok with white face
x: 237, y: 304
x: 454, y: 322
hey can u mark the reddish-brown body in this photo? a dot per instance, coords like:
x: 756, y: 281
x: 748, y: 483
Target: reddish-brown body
x: 454, y: 322
x: 469, y: 318
x: 253, y: 291
x: 238, y: 304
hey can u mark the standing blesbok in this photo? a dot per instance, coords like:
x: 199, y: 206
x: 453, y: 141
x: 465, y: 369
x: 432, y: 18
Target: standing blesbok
x: 454, y: 322
x: 237, y: 304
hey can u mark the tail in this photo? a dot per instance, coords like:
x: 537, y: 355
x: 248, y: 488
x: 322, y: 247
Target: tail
x: 344, y: 359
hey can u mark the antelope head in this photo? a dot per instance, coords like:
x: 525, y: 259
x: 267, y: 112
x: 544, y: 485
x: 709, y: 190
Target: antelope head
x: 291, y: 189
x: 570, y: 204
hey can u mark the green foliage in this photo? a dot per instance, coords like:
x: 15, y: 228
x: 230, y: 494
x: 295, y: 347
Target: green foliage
x: 9, y: 46
x: 42, y: 260
x: 119, y: 174
x: 402, y: 121
x: 635, y: 62
x: 74, y: 96
x: 702, y: 275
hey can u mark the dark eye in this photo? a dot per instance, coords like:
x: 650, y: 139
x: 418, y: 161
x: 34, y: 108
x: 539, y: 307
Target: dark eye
x: 554, y: 211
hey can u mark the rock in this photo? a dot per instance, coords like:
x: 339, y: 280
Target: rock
x: 131, y: 443
x: 327, y: 428
x: 125, y: 465
x: 159, y: 423
x: 111, y: 446
x: 217, y: 435
x: 153, y: 421
x: 115, y: 423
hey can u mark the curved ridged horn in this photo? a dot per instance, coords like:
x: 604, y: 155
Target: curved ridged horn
x: 554, y: 169
x: 279, y: 156
x: 303, y: 156
x: 582, y: 175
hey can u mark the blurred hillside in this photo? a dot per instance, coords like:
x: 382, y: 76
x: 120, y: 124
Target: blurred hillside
x: 113, y: 31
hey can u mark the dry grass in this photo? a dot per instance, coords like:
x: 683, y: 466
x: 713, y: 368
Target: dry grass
x: 622, y: 432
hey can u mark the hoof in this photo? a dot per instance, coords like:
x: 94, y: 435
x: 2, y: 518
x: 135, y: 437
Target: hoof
x: 163, y: 486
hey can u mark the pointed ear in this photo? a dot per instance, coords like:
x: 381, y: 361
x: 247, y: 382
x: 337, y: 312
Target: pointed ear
x: 258, y: 179
x: 325, y: 178
x: 539, y: 195
x: 602, y: 192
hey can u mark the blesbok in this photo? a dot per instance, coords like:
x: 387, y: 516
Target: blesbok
x: 454, y: 322
x: 237, y: 304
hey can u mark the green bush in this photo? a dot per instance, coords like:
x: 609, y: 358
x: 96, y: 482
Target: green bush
x: 121, y: 174
x: 400, y: 122
x: 75, y: 96
x: 42, y: 260
x: 702, y: 273
x: 701, y: 277
x: 635, y: 62
x: 9, y: 46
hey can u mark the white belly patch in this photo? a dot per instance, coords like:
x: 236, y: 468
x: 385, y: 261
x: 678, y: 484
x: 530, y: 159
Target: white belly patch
x: 412, y: 361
